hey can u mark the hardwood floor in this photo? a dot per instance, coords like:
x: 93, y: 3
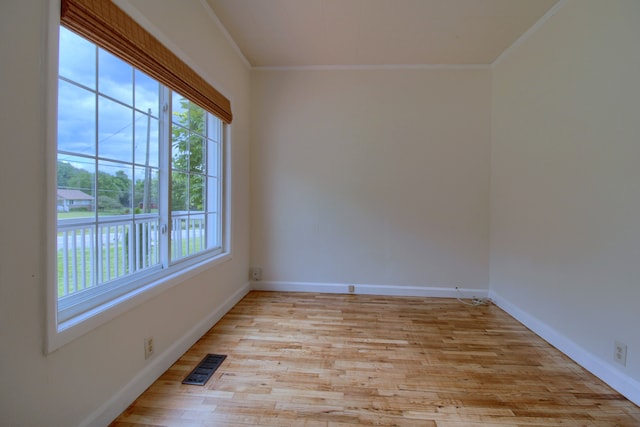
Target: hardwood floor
x: 346, y: 360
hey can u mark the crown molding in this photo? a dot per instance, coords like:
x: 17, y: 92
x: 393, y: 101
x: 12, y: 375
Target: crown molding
x: 533, y: 29
x: 374, y: 67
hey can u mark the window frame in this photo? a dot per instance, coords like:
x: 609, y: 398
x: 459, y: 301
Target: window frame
x: 152, y: 284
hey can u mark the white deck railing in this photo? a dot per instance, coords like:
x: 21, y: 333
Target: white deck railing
x: 187, y: 234
x: 119, y: 245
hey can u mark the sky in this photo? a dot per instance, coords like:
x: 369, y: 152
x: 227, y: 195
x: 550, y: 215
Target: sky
x: 118, y: 122
x: 103, y: 106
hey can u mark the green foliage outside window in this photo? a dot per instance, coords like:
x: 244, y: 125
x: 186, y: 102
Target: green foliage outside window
x: 188, y: 157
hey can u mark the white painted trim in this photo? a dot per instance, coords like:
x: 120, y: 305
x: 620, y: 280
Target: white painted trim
x: 62, y: 334
x: 364, y: 289
x: 620, y: 382
x: 113, y: 407
x: 375, y: 67
x: 535, y: 27
x: 50, y: 138
x: 223, y: 29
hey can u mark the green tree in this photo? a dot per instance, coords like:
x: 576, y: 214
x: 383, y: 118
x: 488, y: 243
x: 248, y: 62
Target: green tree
x: 106, y: 203
x: 74, y: 178
x: 153, y: 191
x: 65, y: 173
x: 188, y: 157
x: 121, y: 181
x: 114, y: 191
x: 112, y: 188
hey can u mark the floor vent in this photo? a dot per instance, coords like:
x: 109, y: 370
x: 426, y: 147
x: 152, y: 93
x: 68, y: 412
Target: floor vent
x: 201, y: 374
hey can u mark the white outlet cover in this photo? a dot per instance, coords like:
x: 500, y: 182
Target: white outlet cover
x: 620, y: 353
x: 148, y: 347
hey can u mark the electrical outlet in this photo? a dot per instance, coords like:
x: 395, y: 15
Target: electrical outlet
x: 256, y: 273
x: 620, y: 353
x: 352, y: 289
x: 148, y: 347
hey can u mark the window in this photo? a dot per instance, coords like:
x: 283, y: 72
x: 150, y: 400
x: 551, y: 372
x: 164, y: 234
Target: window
x: 140, y: 181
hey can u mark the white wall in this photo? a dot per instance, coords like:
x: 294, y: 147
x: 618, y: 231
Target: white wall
x: 66, y: 388
x: 565, y: 210
x: 371, y: 176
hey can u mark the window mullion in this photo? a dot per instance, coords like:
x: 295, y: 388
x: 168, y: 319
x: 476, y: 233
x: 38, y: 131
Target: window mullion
x: 221, y: 174
x: 164, y: 208
x: 97, y: 255
x: 211, y: 205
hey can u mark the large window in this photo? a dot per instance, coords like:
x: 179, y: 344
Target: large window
x: 140, y: 180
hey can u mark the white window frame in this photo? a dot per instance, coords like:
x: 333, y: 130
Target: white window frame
x: 60, y: 333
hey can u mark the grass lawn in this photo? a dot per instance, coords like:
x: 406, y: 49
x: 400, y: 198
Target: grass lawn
x: 76, y: 214
x: 90, y: 214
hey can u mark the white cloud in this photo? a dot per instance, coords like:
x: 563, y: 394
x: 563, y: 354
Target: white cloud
x: 117, y: 132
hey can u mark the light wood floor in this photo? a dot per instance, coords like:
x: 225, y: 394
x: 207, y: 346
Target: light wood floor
x: 346, y: 360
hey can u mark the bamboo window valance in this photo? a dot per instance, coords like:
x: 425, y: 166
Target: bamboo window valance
x: 108, y: 26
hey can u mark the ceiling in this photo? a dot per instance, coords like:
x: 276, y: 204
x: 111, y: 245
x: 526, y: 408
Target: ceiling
x: 295, y: 33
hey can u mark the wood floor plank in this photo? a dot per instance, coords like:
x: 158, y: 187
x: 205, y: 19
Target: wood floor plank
x: 323, y: 360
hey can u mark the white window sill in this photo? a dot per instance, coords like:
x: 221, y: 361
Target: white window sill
x: 60, y: 334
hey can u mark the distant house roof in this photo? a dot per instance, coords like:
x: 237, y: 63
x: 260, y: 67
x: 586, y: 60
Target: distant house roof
x: 73, y: 195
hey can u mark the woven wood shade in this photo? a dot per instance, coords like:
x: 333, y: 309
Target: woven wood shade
x: 112, y: 29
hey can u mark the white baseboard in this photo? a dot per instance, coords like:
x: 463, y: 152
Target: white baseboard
x: 113, y: 407
x: 363, y: 289
x: 623, y: 384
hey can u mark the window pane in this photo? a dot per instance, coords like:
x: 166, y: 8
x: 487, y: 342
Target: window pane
x: 196, y: 119
x: 213, y: 233
x: 147, y: 136
x: 114, y: 189
x: 180, y: 109
x: 115, y: 77
x: 212, y: 194
x: 146, y: 231
x: 179, y: 236
x: 114, y: 250
x: 196, y: 193
x: 147, y: 93
x: 214, y: 128
x: 147, y: 241
x: 188, y: 235
x: 76, y: 119
x: 180, y: 148
x: 146, y: 190
x: 197, y: 154
x: 115, y: 130
x: 75, y: 182
x: 213, y: 151
x: 197, y: 233
x: 77, y: 60
x: 179, y: 192
x: 75, y: 254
